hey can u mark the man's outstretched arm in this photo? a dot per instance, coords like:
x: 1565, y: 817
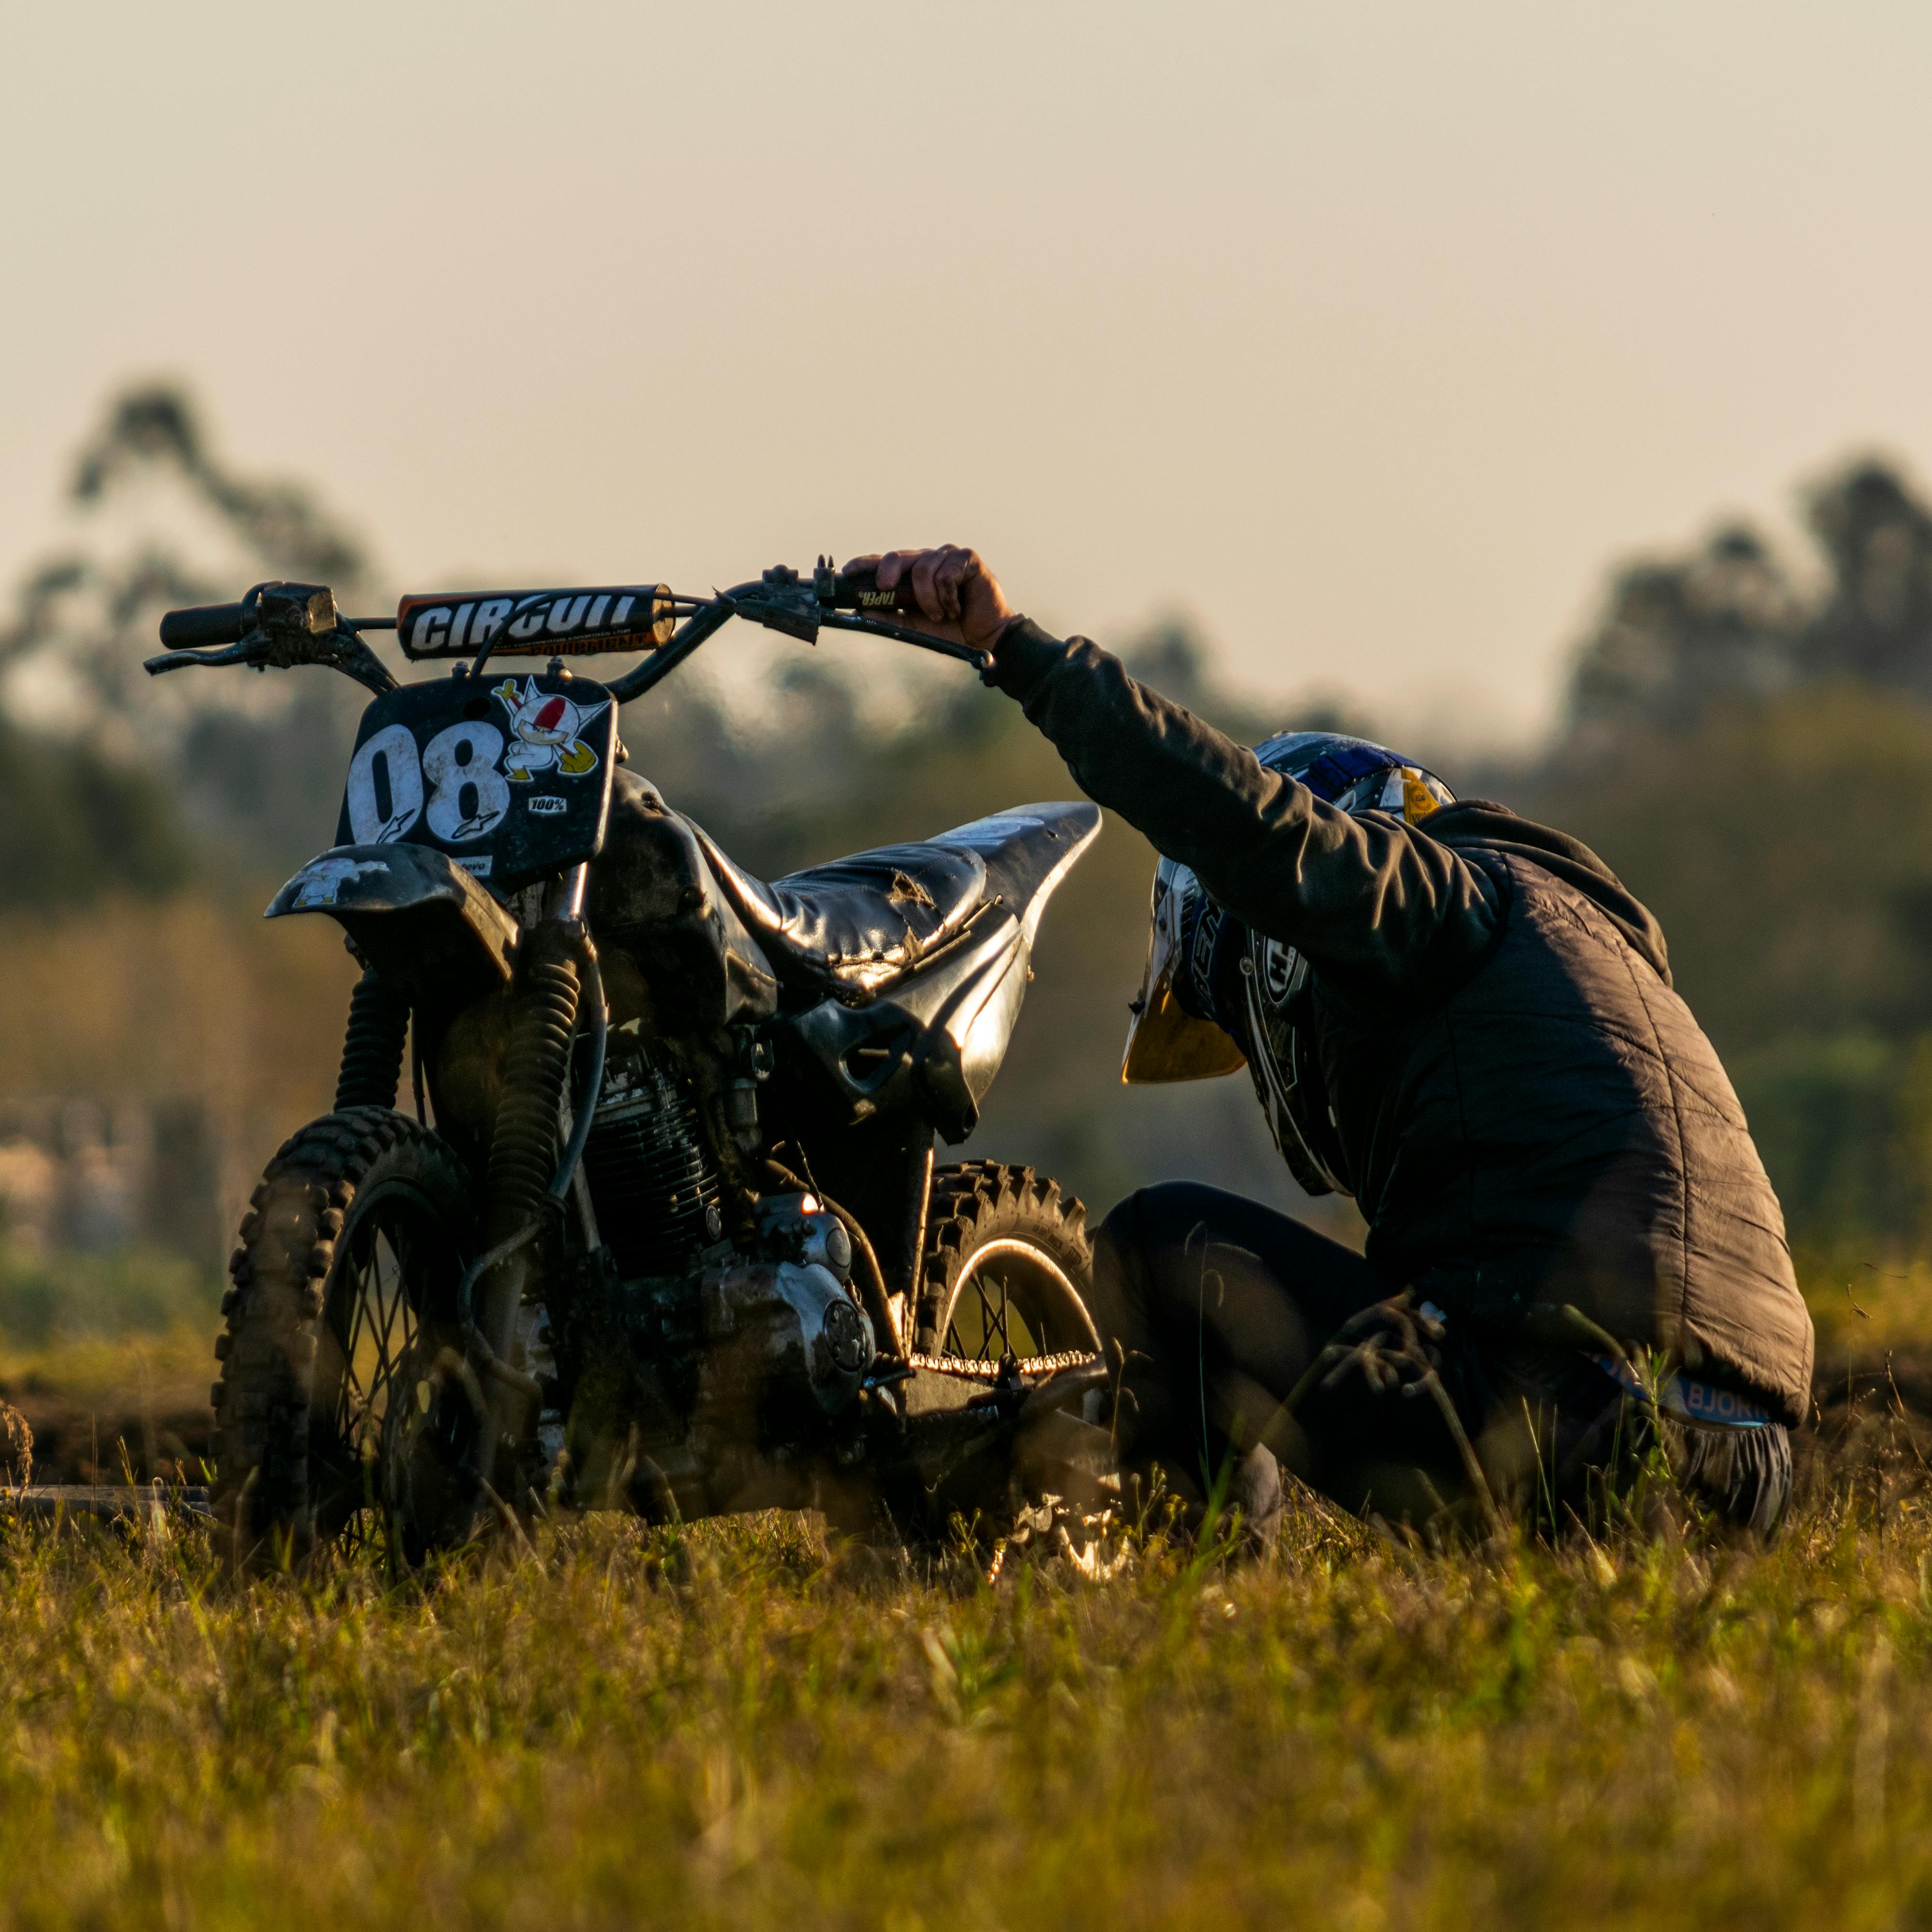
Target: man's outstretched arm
x: 1368, y: 895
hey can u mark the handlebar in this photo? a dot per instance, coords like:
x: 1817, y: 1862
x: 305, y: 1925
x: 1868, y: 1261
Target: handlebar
x: 282, y: 625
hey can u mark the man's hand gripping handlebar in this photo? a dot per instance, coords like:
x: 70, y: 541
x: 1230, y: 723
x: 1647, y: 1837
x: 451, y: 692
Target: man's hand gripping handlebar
x: 947, y: 592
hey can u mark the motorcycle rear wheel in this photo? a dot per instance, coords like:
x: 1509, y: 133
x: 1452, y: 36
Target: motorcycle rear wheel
x: 1008, y: 1268
x: 352, y: 1249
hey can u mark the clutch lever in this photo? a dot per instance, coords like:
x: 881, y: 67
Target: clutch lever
x: 176, y: 660
x: 276, y: 626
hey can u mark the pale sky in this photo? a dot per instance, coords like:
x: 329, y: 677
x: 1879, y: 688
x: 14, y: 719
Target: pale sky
x: 1369, y: 333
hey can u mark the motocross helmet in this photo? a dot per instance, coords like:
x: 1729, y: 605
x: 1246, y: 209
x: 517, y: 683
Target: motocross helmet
x: 1179, y: 1031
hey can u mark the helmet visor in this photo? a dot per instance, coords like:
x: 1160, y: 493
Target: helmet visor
x: 1164, y: 1041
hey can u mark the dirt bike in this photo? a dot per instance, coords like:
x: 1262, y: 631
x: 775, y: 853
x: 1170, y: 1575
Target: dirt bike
x: 662, y: 1229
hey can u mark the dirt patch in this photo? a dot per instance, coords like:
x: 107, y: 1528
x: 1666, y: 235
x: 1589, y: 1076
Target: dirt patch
x: 77, y: 1442
x: 88, y: 1403
x: 1871, y: 1414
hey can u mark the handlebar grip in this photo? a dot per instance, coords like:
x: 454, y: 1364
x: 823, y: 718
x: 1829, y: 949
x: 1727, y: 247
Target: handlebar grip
x: 859, y: 590
x: 204, y: 624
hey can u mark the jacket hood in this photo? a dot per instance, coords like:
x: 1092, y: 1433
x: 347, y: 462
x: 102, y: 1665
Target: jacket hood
x: 1477, y: 822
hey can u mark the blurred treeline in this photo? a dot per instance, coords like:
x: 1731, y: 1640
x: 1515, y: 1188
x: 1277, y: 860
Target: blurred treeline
x: 1748, y: 741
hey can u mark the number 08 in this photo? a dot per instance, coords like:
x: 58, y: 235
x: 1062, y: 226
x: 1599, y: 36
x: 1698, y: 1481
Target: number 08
x: 467, y: 794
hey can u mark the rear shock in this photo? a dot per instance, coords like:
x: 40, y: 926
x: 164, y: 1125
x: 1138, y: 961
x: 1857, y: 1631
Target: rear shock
x: 372, y: 1049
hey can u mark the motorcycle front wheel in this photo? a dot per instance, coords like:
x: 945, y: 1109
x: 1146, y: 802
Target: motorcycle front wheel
x: 349, y: 1259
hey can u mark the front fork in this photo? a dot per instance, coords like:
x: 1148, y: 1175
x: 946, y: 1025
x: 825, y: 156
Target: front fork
x: 556, y: 955
x: 523, y: 1148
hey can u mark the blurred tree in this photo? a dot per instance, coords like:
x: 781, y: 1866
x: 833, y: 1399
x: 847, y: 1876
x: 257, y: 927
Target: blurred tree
x: 1674, y: 634
x: 1172, y: 655
x: 1875, y: 623
x: 93, y: 614
x: 76, y: 826
x: 156, y: 427
x: 1830, y: 1116
x: 266, y: 787
x: 1756, y: 763
x: 1844, y: 1123
x: 83, y: 620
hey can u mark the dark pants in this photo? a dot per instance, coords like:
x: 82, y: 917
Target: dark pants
x: 1224, y: 1307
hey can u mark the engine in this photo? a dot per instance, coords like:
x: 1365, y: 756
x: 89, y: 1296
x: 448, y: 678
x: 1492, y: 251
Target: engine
x: 651, y: 1179
x: 784, y: 1341
x: 755, y: 1343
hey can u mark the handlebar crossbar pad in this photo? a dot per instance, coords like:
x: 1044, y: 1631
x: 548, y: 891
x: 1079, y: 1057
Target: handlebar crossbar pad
x: 535, y: 623
x: 204, y: 624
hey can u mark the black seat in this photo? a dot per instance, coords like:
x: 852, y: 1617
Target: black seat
x: 856, y: 924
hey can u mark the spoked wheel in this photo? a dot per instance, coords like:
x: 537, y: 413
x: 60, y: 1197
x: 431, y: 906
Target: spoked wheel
x: 1008, y: 1268
x: 1007, y: 1271
x: 369, y: 1322
x: 347, y: 1271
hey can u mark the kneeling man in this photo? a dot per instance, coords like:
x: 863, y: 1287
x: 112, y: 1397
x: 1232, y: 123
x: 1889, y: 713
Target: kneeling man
x: 1574, y: 1259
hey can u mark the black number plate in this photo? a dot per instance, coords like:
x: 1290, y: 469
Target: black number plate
x: 510, y: 776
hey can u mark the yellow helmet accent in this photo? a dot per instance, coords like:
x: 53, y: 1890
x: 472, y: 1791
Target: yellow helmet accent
x: 1418, y: 800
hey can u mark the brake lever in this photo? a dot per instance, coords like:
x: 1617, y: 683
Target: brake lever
x: 342, y: 649
x: 876, y: 627
x: 798, y: 607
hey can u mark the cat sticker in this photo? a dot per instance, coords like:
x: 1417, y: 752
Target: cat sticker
x: 547, y: 726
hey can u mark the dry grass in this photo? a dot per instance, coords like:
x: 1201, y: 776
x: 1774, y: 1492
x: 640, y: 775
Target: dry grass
x: 733, y: 1727
x: 722, y: 1729
x: 1861, y: 1309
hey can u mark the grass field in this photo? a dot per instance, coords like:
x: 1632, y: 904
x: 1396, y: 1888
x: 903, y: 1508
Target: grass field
x: 730, y: 1727
x: 738, y: 1725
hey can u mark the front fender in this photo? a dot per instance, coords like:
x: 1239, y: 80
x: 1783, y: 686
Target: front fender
x: 418, y: 918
